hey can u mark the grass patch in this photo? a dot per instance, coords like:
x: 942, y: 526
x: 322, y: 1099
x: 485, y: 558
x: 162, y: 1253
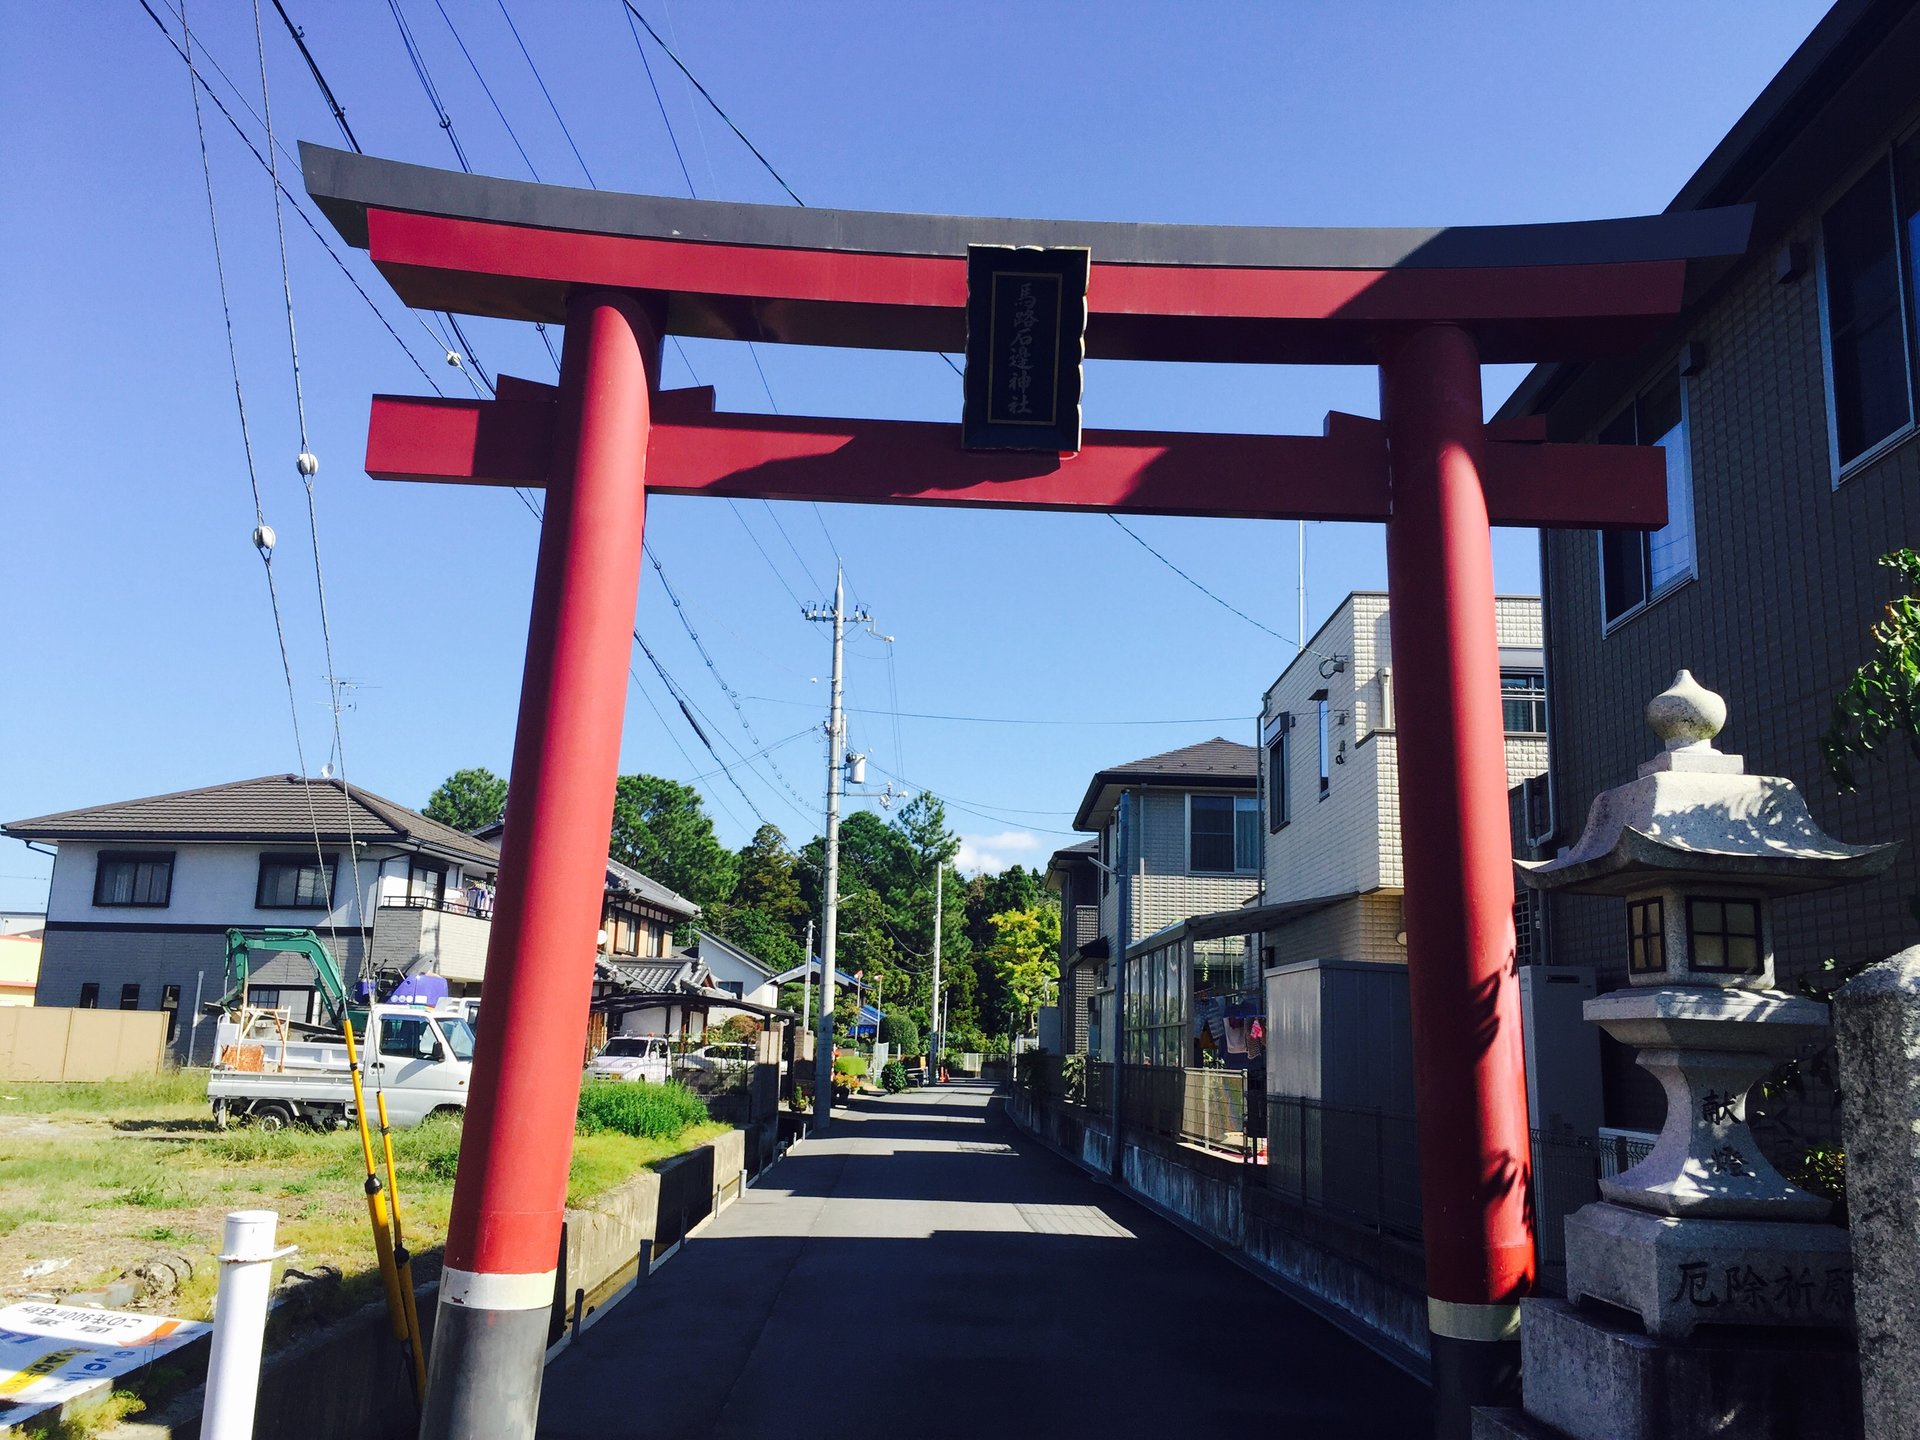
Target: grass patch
x: 93, y: 1192
x: 155, y: 1194
x: 640, y: 1108
x: 173, y: 1094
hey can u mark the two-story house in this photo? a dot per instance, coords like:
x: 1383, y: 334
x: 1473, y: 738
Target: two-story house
x: 1177, y: 835
x: 1330, y: 779
x: 143, y: 892
x: 1072, y: 875
x: 1787, y: 398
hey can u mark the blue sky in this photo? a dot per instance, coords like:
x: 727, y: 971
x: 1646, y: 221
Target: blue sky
x: 140, y: 652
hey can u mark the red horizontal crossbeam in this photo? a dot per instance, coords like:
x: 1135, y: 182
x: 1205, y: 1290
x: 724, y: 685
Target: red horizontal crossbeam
x: 694, y: 451
x: 917, y: 302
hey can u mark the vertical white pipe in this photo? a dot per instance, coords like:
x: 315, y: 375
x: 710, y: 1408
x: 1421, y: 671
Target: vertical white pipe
x: 239, y: 1324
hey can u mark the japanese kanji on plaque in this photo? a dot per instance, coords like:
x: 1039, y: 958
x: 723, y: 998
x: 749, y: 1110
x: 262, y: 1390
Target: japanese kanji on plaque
x: 1026, y: 331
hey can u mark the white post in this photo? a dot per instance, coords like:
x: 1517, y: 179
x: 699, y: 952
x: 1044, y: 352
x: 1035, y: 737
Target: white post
x: 239, y: 1324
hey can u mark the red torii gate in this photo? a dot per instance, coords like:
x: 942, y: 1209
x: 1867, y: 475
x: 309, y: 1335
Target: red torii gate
x: 622, y: 271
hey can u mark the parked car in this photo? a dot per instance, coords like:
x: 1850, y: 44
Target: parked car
x: 632, y: 1057
x: 718, y: 1057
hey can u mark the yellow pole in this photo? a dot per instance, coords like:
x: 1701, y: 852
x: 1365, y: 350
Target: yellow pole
x: 402, y: 1257
x: 376, y: 1197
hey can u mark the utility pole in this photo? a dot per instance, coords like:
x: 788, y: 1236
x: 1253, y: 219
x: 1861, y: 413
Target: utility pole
x: 830, y: 906
x: 806, y: 984
x: 939, y: 878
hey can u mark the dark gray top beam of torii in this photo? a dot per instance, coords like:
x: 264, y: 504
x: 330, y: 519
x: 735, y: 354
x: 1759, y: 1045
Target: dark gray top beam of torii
x: 514, y: 249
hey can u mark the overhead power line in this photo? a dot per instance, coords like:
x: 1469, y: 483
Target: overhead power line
x: 326, y: 90
x: 1006, y: 719
x: 753, y: 351
x: 200, y: 82
x: 540, y: 80
x: 667, y: 49
x: 1227, y: 605
x: 733, y: 696
x: 263, y: 537
x: 308, y: 467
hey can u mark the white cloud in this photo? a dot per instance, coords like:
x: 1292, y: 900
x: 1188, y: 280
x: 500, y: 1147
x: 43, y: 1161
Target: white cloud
x: 996, y: 852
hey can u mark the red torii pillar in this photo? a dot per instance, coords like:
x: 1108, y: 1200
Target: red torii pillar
x: 497, y: 1284
x: 1428, y: 307
x: 1456, y: 855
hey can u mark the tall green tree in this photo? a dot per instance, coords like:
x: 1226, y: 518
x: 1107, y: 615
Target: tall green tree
x: 661, y: 829
x: 770, y: 943
x: 769, y: 880
x: 468, y: 799
x: 1025, y: 956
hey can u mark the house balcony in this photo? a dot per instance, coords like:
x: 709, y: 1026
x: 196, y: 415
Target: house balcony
x: 443, y: 937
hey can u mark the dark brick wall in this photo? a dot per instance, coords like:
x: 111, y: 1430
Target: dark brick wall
x: 155, y: 957
x: 1776, y: 621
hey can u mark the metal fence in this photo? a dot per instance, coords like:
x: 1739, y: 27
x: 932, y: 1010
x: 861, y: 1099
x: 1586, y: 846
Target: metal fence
x: 1362, y: 1164
x: 1204, y: 1107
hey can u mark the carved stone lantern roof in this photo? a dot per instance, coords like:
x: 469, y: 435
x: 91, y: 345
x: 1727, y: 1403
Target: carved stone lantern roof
x: 1694, y: 813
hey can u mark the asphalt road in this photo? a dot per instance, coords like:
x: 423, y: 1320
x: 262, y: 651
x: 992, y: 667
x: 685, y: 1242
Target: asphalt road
x: 925, y: 1270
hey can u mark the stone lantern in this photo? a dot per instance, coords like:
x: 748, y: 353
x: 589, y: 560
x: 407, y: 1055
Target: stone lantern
x: 1705, y: 1230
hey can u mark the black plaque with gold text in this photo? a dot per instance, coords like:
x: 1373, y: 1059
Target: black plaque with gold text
x: 1026, y: 337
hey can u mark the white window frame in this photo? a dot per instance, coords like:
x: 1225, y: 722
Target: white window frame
x: 1238, y: 800
x: 1909, y: 281
x: 1692, y: 572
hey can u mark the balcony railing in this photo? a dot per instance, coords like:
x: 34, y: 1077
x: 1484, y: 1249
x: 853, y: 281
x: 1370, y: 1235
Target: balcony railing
x: 445, y: 904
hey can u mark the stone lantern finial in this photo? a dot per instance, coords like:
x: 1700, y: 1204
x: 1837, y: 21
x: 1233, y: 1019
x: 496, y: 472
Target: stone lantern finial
x: 1686, y: 713
x: 1686, y: 716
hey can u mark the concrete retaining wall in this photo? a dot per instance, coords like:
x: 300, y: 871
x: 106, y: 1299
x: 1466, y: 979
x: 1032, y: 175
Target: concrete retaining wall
x: 348, y: 1381
x: 1372, y: 1285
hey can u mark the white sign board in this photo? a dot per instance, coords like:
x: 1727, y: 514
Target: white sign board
x: 51, y: 1354
x: 879, y: 1061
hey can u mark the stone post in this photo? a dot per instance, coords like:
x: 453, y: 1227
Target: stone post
x: 1877, y: 1027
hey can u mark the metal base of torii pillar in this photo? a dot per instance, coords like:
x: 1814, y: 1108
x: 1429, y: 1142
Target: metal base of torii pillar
x: 1469, y: 1068
x: 496, y: 1292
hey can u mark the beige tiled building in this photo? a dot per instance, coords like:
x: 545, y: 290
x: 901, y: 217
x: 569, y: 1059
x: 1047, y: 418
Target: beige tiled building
x: 1330, y: 777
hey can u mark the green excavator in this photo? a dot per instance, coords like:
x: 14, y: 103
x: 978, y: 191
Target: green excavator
x: 243, y: 946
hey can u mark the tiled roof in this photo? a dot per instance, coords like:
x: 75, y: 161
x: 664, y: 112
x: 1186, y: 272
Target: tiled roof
x: 1212, y: 764
x: 1215, y: 759
x: 625, y: 877
x: 654, y: 975
x: 271, y: 807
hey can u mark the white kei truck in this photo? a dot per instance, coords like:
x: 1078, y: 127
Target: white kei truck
x: 420, y: 1059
